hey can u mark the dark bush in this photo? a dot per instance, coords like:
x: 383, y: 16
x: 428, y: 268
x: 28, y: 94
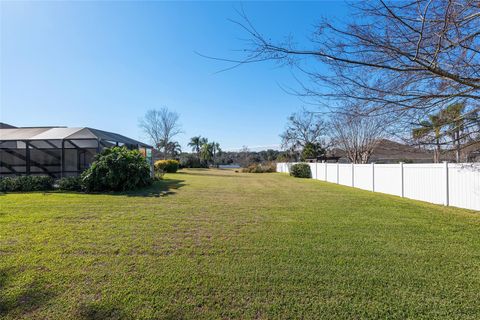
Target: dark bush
x: 117, y: 169
x: 191, y: 161
x: 260, y: 168
x: 168, y: 166
x: 300, y: 170
x: 26, y: 183
x: 70, y: 184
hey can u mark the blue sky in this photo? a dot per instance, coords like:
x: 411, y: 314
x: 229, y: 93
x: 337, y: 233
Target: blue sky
x: 104, y: 64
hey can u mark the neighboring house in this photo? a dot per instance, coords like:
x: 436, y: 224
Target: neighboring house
x: 470, y: 152
x: 388, y: 151
x: 57, y: 151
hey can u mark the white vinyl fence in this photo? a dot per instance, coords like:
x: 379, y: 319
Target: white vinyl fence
x: 445, y: 183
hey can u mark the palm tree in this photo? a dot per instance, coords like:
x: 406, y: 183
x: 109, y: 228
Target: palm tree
x: 174, y: 148
x: 206, y: 153
x: 428, y: 128
x: 196, y: 144
x: 203, y: 141
x: 216, y: 151
x: 454, y: 117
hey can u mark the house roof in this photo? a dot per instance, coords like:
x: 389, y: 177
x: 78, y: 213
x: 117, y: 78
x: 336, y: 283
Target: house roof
x: 4, y: 125
x: 388, y: 150
x: 62, y: 133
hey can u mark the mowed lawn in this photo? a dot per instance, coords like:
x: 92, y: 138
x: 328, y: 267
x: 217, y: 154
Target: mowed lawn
x: 222, y: 244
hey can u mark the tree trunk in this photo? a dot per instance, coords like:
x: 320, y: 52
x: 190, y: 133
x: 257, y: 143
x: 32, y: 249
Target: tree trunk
x: 457, y: 152
x: 436, y: 154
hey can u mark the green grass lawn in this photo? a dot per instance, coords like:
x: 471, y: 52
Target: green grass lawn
x: 221, y: 244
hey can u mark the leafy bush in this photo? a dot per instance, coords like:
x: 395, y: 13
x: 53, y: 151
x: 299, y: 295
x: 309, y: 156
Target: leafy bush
x: 168, y: 166
x: 300, y: 170
x: 26, y: 183
x: 70, y: 184
x: 260, y: 168
x: 117, y: 169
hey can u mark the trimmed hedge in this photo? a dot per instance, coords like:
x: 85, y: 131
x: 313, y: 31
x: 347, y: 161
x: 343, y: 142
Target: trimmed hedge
x: 26, y: 183
x: 168, y: 166
x: 70, y: 184
x: 300, y: 170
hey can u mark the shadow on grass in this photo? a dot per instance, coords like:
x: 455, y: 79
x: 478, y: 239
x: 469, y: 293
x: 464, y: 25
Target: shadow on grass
x: 30, y: 297
x: 221, y: 173
x: 157, y: 189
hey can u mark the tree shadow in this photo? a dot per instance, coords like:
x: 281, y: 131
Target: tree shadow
x: 158, y: 189
x: 31, y: 297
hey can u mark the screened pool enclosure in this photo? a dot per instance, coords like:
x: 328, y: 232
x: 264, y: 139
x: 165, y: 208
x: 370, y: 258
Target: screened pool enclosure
x: 57, y: 151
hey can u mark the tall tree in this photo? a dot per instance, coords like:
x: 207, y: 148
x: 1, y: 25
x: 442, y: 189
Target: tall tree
x: 303, y: 128
x: 216, y: 151
x: 429, y: 131
x: 312, y: 150
x: 196, y: 144
x: 455, y: 119
x: 447, y: 128
x: 403, y: 58
x: 173, y: 148
x: 206, y: 153
x: 161, y: 126
x: 357, y: 135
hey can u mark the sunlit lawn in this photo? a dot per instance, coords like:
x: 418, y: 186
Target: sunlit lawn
x: 221, y: 244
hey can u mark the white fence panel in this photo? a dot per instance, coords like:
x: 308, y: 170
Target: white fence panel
x: 388, y: 178
x: 332, y: 172
x: 313, y: 170
x: 464, y: 186
x: 363, y: 176
x: 345, y: 174
x: 321, y: 171
x: 280, y: 166
x: 449, y: 184
x: 425, y: 182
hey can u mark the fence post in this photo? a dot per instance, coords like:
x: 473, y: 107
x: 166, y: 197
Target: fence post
x: 325, y: 163
x: 338, y: 173
x: 401, y: 180
x: 373, y: 176
x: 447, y: 200
x: 316, y: 172
x: 353, y: 175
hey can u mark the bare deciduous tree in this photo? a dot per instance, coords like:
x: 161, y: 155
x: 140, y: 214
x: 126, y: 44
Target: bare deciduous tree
x: 161, y: 126
x: 357, y: 134
x: 409, y: 58
x: 304, y: 127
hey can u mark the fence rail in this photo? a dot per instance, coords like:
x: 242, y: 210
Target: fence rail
x: 450, y: 184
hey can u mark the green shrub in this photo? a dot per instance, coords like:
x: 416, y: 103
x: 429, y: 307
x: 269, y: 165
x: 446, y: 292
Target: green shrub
x: 70, y: 184
x: 117, y: 169
x: 26, y: 183
x: 260, y: 168
x: 300, y: 170
x: 168, y: 166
